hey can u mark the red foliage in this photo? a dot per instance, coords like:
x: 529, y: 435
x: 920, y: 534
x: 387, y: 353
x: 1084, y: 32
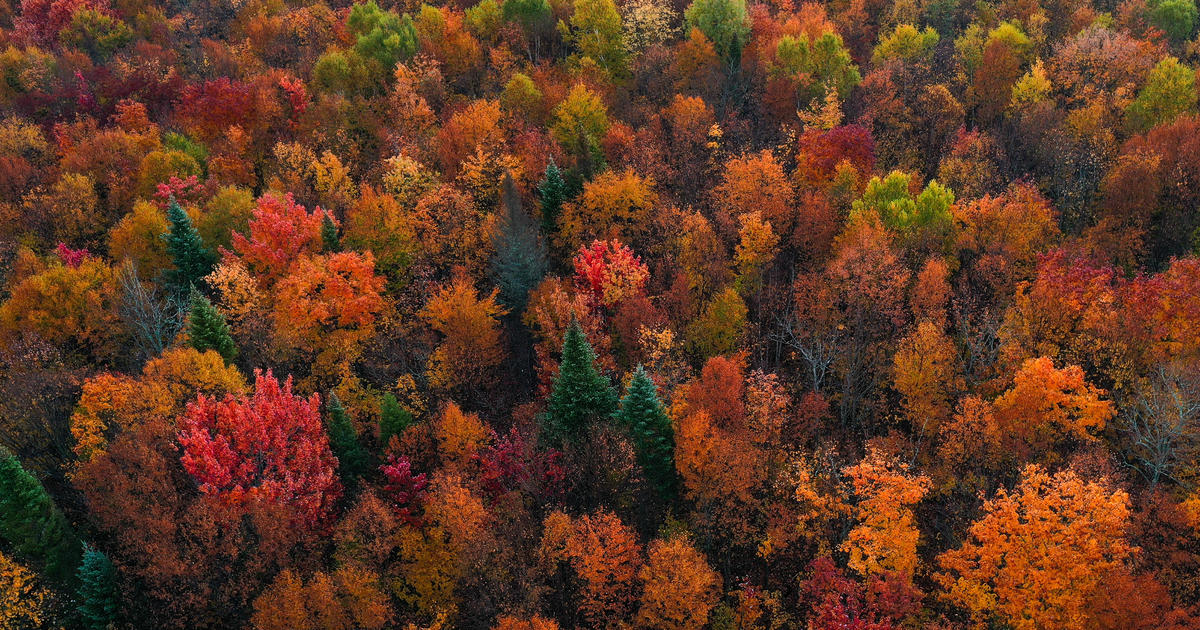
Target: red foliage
x: 269, y: 447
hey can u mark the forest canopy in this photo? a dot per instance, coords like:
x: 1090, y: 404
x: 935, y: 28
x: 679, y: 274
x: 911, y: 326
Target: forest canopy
x: 628, y: 314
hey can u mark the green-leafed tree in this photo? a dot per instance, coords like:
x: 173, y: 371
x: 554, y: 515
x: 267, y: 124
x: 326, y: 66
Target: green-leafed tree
x: 580, y: 395
x: 393, y: 419
x: 343, y: 441
x: 642, y: 414
x: 191, y: 260
x: 520, y: 260
x: 725, y: 23
x: 553, y: 192
x: 329, y: 235
x: 98, y: 597
x: 207, y: 329
x: 32, y: 525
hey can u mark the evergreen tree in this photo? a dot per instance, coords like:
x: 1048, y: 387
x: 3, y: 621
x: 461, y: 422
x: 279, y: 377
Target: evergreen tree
x: 98, y: 599
x: 329, y: 234
x: 553, y: 192
x: 520, y: 260
x: 393, y: 419
x: 207, y: 329
x: 580, y: 392
x: 192, y: 260
x: 343, y: 441
x: 642, y: 414
x: 32, y: 525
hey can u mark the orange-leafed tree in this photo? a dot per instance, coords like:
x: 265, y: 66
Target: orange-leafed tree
x: 327, y: 306
x: 754, y: 183
x: 602, y: 556
x: 612, y: 206
x: 471, y: 348
x: 349, y: 598
x: 886, y: 538
x: 679, y: 589
x: 1041, y: 552
x: 924, y: 373
x: 1047, y: 407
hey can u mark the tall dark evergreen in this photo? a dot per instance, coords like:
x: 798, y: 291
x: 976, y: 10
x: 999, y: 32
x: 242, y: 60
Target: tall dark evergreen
x: 191, y: 259
x: 343, y: 441
x: 642, y: 414
x: 98, y: 596
x: 520, y: 260
x: 207, y: 329
x: 581, y: 394
x: 329, y: 234
x: 32, y: 525
x: 393, y: 419
x: 553, y: 192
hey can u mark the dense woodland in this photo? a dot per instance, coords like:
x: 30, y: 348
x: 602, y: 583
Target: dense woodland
x: 542, y: 314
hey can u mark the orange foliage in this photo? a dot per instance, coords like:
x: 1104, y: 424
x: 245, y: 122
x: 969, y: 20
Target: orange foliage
x: 679, y: 589
x: 1041, y: 552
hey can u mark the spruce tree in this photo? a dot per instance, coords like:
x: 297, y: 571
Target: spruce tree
x: 642, y: 414
x: 32, y: 525
x: 343, y: 441
x: 580, y: 393
x: 553, y: 192
x: 191, y: 259
x: 520, y: 260
x: 329, y: 235
x: 207, y: 329
x: 393, y: 419
x: 98, y: 599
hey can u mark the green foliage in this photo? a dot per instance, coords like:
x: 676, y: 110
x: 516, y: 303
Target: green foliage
x: 906, y: 43
x: 595, y: 31
x: 1169, y: 91
x: 532, y: 15
x: 520, y: 260
x: 31, y: 525
x: 820, y: 65
x: 393, y: 419
x: 484, y: 19
x: 553, y: 193
x: 382, y: 36
x: 926, y: 215
x: 98, y: 596
x: 96, y: 33
x: 720, y: 327
x: 207, y: 329
x: 179, y: 142
x: 642, y: 414
x: 353, y: 459
x: 1176, y: 18
x: 580, y: 395
x: 330, y: 240
x: 580, y: 122
x: 191, y: 259
x: 724, y: 22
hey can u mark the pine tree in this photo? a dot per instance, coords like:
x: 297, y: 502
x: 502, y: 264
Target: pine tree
x: 207, y: 329
x: 642, y: 414
x: 98, y: 599
x: 343, y: 441
x: 580, y: 393
x: 520, y: 260
x: 32, y: 525
x: 553, y: 193
x: 191, y: 258
x: 393, y: 419
x: 329, y: 235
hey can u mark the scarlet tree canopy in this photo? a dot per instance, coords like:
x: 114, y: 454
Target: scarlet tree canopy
x: 266, y: 447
